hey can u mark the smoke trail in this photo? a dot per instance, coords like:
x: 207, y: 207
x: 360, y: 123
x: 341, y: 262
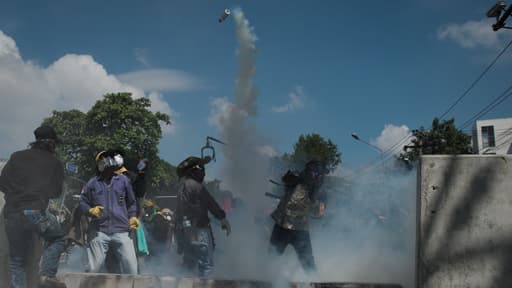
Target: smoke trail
x: 367, y: 234
x: 244, y: 169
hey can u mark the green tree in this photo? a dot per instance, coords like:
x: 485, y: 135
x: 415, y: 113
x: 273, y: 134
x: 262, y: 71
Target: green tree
x: 315, y: 147
x: 116, y: 121
x: 70, y: 125
x: 442, y: 138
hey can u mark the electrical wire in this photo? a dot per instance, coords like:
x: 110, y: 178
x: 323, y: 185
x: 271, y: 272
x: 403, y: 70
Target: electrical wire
x: 476, y: 80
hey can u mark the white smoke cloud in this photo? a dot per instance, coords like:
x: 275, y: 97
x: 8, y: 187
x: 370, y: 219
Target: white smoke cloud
x: 30, y: 92
x: 220, y: 109
x: 267, y: 151
x: 390, y: 136
x: 472, y: 34
x: 245, y: 92
x: 295, y: 101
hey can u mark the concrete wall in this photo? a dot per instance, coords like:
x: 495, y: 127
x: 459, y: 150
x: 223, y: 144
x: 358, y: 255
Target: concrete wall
x: 465, y: 221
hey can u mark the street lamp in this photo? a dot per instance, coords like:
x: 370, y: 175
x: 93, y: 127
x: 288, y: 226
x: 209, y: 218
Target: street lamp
x: 356, y: 137
x: 501, y: 14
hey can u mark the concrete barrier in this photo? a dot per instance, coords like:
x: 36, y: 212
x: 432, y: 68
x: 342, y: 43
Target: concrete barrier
x: 85, y: 280
x: 465, y: 221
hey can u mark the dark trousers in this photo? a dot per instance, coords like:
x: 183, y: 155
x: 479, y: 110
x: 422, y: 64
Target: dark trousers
x: 198, y: 251
x: 20, y: 228
x: 300, y: 241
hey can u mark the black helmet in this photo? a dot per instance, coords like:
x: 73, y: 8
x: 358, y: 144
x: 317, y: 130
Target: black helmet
x: 189, y: 163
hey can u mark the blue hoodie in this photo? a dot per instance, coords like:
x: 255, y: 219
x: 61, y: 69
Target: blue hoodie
x: 118, y: 201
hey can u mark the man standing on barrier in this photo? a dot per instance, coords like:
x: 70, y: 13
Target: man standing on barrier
x: 193, y: 230
x: 29, y: 179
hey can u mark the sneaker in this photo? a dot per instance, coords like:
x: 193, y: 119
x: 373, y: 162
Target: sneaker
x: 50, y: 282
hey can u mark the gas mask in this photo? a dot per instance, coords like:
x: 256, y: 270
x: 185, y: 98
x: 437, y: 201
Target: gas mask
x: 313, y: 175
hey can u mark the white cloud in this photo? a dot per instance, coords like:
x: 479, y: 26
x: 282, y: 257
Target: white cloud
x: 295, y: 101
x: 29, y: 92
x: 472, y: 34
x: 160, y: 80
x: 158, y: 104
x: 8, y: 48
x: 141, y: 55
x: 390, y: 136
x: 266, y: 151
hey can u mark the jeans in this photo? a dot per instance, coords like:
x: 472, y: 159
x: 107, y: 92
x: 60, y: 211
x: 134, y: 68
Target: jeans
x: 20, y: 228
x: 300, y: 241
x: 200, y: 252
x: 120, y: 244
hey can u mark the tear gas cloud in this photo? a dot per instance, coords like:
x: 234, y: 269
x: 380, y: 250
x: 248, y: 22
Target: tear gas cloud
x: 366, y: 235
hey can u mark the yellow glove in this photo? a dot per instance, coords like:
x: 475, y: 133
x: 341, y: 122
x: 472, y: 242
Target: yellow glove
x: 96, y: 211
x: 134, y: 223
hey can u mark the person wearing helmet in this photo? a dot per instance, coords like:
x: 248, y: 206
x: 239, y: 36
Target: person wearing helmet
x: 29, y: 179
x: 137, y: 180
x: 109, y: 200
x: 300, y: 201
x: 193, y: 230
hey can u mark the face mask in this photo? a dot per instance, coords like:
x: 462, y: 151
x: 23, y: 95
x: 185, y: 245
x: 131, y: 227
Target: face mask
x: 197, y: 173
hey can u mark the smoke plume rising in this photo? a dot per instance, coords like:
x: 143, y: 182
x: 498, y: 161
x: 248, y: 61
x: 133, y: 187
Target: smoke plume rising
x: 367, y: 234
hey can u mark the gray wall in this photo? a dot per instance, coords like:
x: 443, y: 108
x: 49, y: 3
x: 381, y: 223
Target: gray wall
x: 465, y: 221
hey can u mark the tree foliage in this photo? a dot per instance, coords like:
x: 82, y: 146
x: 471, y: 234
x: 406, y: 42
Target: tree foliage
x: 315, y: 147
x: 116, y: 121
x: 442, y: 138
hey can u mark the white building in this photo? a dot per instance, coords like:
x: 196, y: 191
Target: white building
x: 493, y: 136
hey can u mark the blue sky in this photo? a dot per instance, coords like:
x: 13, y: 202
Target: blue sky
x: 342, y: 66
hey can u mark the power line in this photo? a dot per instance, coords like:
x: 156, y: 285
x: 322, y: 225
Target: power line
x: 493, y: 104
x: 476, y: 80
x: 382, y: 160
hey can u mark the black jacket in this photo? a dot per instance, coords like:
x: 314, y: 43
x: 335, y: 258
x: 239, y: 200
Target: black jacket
x: 194, y: 202
x: 30, y: 178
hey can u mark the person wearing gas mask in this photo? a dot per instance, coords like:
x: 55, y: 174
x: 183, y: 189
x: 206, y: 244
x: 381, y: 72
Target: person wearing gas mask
x: 138, y: 181
x: 109, y: 200
x: 193, y: 231
x: 300, y: 201
x: 29, y: 179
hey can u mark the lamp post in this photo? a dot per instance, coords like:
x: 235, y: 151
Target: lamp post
x: 356, y: 137
x: 501, y: 13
